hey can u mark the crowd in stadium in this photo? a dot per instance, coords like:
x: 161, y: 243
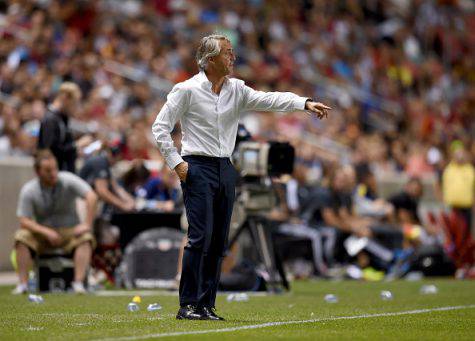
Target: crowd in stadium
x: 399, y: 75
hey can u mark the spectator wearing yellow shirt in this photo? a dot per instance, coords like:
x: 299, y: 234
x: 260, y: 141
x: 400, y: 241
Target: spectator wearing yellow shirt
x: 458, y: 185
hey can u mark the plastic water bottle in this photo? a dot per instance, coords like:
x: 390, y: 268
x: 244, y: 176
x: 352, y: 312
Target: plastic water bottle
x: 154, y: 307
x: 386, y: 295
x: 242, y: 297
x: 330, y: 298
x: 428, y: 289
x: 133, y: 306
x: 414, y: 276
x: 35, y: 298
x: 119, y: 277
x: 239, y: 297
x: 31, y: 282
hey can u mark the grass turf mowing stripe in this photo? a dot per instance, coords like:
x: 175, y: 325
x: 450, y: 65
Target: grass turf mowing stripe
x: 273, y: 324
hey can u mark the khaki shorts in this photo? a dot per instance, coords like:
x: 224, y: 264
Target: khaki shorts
x: 40, y: 244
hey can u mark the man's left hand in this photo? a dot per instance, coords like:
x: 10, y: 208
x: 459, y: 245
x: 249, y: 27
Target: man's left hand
x: 320, y: 109
x: 81, y: 228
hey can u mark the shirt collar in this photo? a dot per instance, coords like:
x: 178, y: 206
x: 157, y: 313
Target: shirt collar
x: 204, y: 81
x: 202, y: 78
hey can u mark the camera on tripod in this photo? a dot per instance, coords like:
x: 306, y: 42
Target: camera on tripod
x: 257, y: 162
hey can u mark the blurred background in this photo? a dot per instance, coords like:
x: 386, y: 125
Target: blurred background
x: 399, y: 75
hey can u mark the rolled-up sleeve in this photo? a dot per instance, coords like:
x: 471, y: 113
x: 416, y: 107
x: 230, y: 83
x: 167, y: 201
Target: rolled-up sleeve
x: 270, y: 101
x: 176, y: 105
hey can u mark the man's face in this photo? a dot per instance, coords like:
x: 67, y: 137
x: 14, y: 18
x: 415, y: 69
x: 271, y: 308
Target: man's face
x: 70, y: 104
x: 459, y: 156
x: 48, y: 172
x: 224, y: 61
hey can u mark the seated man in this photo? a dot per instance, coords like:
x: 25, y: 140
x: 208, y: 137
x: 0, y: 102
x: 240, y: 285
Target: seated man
x: 97, y: 173
x: 291, y: 221
x: 337, y: 211
x: 162, y: 193
x: 48, y: 219
x: 366, y: 201
x: 406, y: 203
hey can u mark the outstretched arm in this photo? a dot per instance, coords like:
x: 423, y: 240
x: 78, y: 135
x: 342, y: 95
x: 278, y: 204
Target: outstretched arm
x: 280, y: 101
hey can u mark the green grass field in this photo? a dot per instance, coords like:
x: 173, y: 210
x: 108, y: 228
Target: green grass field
x: 410, y: 315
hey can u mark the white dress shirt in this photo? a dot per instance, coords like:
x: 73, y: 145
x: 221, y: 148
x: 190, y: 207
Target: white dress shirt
x: 209, y: 121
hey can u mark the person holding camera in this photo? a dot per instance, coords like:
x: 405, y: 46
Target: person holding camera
x: 208, y: 106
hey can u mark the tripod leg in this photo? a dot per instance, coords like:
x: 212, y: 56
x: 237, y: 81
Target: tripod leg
x: 280, y: 268
x: 237, y: 234
x: 261, y: 236
x: 263, y: 241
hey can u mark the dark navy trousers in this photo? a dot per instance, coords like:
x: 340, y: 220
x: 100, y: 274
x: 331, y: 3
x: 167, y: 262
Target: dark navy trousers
x: 209, y: 193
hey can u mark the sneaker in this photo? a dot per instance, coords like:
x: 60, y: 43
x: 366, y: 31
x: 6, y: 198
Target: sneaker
x: 78, y: 288
x: 20, y: 289
x: 372, y: 275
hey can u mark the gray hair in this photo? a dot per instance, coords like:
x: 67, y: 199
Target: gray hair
x: 209, y: 47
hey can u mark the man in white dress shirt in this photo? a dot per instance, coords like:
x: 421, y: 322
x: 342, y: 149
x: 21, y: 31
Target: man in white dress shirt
x: 208, y: 106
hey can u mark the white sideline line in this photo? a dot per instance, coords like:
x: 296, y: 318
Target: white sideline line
x: 272, y: 324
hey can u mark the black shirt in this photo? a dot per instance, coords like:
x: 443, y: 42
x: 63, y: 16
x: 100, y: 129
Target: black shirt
x: 56, y: 135
x: 96, y: 167
x: 322, y: 198
x: 405, y: 201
